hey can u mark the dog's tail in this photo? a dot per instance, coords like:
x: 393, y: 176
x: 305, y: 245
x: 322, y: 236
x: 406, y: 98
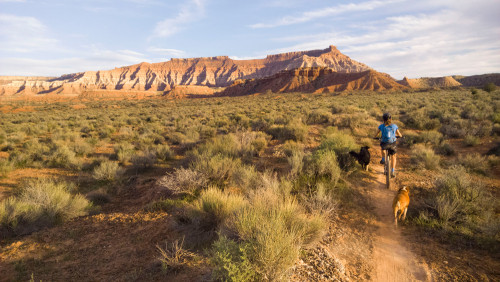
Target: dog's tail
x: 354, y: 154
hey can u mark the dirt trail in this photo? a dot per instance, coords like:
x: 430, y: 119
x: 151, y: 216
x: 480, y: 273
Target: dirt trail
x: 391, y: 259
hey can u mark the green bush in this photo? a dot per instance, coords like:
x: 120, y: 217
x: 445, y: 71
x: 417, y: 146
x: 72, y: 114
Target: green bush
x: 5, y: 167
x: 431, y: 137
x: 324, y: 163
x: 40, y: 203
x: 184, y: 180
x: 294, y: 130
x: 341, y: 142
x: 460, y: 200
x: 218, y: 206
x: 474, y: 163
x: 218, y: 168
x: 108, y: 171
x: 63, y: 157
x: 424, y: 157
x: 144, y: 160
x: 489, y: 87
x: 471, y: 140
x: 272, y: 230
x: 231, y: 261
x: 123, y: 152
x: 296, y: 162
x: 445, y: 149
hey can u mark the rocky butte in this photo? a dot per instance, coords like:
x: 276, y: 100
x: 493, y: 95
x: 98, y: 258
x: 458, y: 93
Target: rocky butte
x: 219, y: 71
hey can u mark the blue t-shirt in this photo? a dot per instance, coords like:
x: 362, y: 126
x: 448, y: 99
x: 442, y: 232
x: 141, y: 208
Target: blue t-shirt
x: 388, y: 133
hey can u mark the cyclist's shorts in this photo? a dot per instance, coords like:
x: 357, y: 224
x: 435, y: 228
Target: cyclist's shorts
x: 390, y: 147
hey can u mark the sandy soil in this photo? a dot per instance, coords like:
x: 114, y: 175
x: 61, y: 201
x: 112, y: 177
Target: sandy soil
x: 393, y: 261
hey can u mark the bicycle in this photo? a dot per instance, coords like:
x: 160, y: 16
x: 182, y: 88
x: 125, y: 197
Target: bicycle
x: 387, y: 165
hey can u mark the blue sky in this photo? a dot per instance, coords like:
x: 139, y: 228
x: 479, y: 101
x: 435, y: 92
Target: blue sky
x: 400, y: 37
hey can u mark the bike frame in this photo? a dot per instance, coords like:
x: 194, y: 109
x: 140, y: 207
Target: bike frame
x: 387, y: 169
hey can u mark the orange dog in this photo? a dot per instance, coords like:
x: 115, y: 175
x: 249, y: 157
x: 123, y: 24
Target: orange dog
x: 400, y: 203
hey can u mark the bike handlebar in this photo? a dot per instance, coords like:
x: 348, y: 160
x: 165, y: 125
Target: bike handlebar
x: 378, y: 138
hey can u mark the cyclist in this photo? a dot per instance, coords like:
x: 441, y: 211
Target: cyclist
x: 389, y: 132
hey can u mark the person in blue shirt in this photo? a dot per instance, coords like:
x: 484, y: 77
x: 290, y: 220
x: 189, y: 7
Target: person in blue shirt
x: 388, y: 132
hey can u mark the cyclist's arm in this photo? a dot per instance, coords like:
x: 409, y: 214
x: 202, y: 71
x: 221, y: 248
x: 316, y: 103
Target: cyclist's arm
x: 376, y: 135
x: 398, y: 134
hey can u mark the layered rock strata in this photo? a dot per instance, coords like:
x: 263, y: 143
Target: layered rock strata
x: 219, y: 71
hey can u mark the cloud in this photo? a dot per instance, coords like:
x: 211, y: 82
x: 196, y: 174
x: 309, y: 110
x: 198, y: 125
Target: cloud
x: 166, y: 52
x: 190, y: 12
x: 455, y: 39
x: 325, y: 12
x: 94, y: 59
x: 24, y: 34
x: 18, y: 1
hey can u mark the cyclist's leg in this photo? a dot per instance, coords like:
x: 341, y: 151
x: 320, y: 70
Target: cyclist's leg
x: 393, y: 160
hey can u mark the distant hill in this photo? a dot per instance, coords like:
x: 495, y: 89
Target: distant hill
x: 212, y: 71
x: 314, y: 80
x: 479, y: 80
x: 430, y: 82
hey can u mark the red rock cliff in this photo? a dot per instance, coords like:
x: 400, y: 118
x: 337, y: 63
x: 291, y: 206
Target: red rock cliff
x: 212, y: 71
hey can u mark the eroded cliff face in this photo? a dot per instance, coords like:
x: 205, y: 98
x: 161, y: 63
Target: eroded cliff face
x: 430, y: 82
x: 212, y: 71
x: 314, y: 80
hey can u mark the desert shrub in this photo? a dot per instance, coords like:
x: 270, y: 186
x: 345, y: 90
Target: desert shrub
x: 445, y: 149
x: 471, y: 140
x: 271, y: 231
x: 61, y: 156
x: 424, y: 157
x: 108, y: 171
x: 319, y: 117
x: 246, y: 177
x: 5, y: 167
x: 430, y: 137
x: 296, y: 162
x: 454, y: 128
x: 461, y: 201
x: 411, y: 138
x: 231, y: 261
x: 40, y: 203
x: 184, y: 180
x: 174, y: 257
x: 294, y: 130
x: 143, y: 160
x: 474, y: 163
x: 341, y: 142
x: 163, y: 152
x: 420, y: 120
x: 321, y: 201
x: 289, y: 147
x: 81, y: 148
x: 98, y: 197
x: 123, y: 152
x: 489, y: 87
x: 218, y: 168
x: 324, y: 163
x: 218, y: 206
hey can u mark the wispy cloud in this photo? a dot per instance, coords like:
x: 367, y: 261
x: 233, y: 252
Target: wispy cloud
x: 94, y: 59
x: 190, y: 12
x: 325, y: 12
x: 166, y: 52
x: 18, y: 1
x: 458, y: 39
x: 24, y: 34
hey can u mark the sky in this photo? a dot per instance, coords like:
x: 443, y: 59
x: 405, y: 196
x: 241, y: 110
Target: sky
x: 423, y: 38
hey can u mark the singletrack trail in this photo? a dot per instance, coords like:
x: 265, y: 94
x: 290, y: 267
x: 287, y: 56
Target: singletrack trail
x: 392, y: 260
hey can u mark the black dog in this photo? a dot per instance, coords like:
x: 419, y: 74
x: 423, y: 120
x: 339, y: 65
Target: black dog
x: 363, y: 157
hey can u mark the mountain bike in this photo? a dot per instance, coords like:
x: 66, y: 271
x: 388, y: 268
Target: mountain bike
x: 387, y: 166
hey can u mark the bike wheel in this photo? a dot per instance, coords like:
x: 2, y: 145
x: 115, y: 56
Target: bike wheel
x: 388, y: 172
